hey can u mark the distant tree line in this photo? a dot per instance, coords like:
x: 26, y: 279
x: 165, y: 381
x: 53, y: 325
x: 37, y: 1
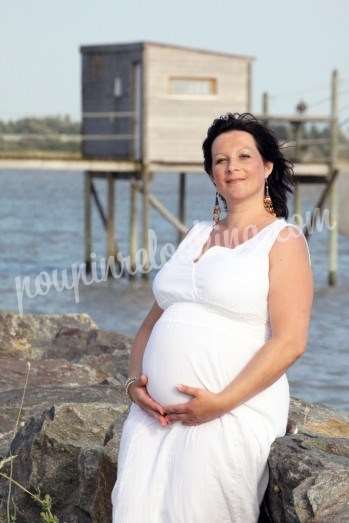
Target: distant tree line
x: 43, y: 125
x: 39, y: 134
x: 52, y: 133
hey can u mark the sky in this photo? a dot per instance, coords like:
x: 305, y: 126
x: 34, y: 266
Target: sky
x: 296, y: 46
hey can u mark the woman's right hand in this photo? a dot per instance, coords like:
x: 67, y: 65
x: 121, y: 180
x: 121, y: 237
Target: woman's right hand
x: 139, y: 394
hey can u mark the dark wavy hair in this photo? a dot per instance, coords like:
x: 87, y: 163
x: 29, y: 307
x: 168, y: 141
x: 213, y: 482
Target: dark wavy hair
x: 280, y: 180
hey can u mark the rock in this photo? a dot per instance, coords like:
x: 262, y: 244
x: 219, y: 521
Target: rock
x: 317, y: 419
x: 310, y: 479
x: 309, y: 471
x: 38, y: 399
x: 70, y: 336
x: 48, y: 372
x: 69, y: 452
x: 29, y: 335
x: 65, y: 350
x: 75, y: 343
x: 67, y: 438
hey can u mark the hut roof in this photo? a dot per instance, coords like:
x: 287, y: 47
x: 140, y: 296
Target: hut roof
x: 127, y: 45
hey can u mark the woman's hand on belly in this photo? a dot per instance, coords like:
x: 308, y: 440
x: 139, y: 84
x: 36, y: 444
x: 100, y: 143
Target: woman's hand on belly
x: 205, y: 406
x: 139, y: 394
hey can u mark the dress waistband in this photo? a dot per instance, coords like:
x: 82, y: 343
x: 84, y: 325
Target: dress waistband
x: 203, y: 314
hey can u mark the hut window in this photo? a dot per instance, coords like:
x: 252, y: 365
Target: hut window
x: 117, y: 87
x: 193, y: 86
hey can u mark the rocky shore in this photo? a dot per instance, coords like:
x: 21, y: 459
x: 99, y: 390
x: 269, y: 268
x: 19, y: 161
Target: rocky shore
x: 67, y: 437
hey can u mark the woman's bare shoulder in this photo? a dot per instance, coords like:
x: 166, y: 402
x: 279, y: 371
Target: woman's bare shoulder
x: 290, y: 246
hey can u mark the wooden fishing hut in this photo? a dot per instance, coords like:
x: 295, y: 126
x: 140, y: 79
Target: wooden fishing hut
x: 146, y: 107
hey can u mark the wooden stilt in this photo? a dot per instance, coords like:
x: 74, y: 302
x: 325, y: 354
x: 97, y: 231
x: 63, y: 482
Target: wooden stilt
x: 333, y: 236
x: 110, y: 229
x: 110, y: 216
x: 133, y: 228
x: 333, y: 200
x: 297, y: 207
x: 88, y: 219
x: 181, y: 203
x: 145, y: 219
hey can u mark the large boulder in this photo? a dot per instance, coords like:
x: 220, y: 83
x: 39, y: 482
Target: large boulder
x: 64, y: 351
x: 309, y: 470
x: 28, y: 336
x: 70, y: 453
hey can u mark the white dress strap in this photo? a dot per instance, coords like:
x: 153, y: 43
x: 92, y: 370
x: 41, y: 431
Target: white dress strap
x: 193, y: 234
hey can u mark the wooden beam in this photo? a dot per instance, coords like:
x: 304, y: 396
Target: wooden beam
x: 315, y: 167
x: 320, y: 204
x: 333, y: 197
x: 181, y: 203
x: 265, y: 108
x: 110, y: 216
x: 133, y: 241
x: 68, y: 165
x: 293, y: 118
x: 249, y: 87
x: 165, y: 213
x: 99, y: 205
x: 112, y: 246
x: 145, y: 219
x: 87, y: 220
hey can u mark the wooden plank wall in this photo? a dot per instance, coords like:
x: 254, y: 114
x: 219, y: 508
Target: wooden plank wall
x: 99, y: 69
x: 177, y: 125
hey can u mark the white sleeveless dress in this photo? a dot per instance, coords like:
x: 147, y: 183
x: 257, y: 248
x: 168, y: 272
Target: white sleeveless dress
x: 215, y: 319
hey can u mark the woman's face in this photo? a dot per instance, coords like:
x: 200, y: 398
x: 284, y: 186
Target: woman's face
x: 238, y: 169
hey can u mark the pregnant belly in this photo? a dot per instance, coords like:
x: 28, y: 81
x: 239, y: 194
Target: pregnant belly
x: 198, y: 351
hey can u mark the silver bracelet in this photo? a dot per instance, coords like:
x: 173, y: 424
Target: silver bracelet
x: 128, y: 382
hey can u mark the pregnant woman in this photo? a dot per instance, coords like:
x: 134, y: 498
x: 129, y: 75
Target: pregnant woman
x: 207, y: 374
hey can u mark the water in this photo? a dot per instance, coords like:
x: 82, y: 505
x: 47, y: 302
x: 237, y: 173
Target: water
x: 42, y: 230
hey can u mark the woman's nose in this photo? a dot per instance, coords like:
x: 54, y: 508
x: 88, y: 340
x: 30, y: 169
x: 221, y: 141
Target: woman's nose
x: 231, y: 165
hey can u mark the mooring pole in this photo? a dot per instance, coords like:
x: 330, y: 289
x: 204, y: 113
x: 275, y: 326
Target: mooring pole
x: 333, y: 200
x: 133, y: 234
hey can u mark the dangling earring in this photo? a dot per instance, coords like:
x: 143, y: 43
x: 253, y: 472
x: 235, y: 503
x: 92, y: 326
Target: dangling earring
x: 216, y: 211
x: 268, y: 204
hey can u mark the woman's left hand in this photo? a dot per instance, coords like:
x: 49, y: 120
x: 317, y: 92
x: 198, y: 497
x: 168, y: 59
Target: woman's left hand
x: 205, y: 406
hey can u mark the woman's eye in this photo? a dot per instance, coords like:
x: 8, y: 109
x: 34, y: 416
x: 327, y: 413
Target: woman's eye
x: 241, y: 156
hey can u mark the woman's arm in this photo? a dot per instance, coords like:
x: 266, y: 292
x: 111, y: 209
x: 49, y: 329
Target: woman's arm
x: 138, y: 389
x: 140, y: 341
x: 141, y: 338
x: 291, y: 292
